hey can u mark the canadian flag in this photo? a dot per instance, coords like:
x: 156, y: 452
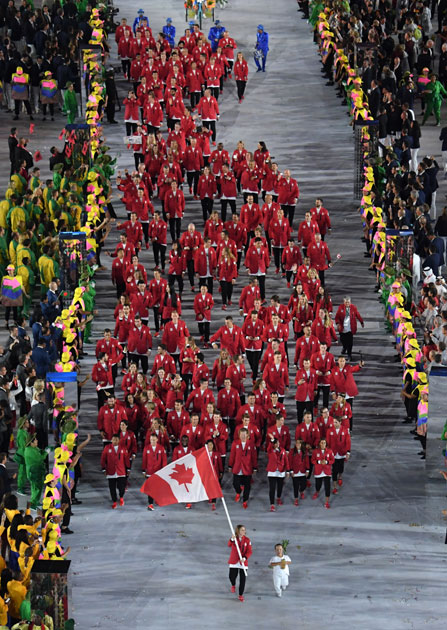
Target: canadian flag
x: 189, y: 479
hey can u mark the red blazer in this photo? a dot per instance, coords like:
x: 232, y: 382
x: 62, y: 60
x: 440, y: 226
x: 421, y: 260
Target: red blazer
x: 200, y: 262
x: 216, y: 460
x: 244, y: 547
x: 308, y: 433
x: 175, y: 422
x: 248, y: 296
x: 306, y: 232
x: 232, y: 340
x: 318, y: 457
x: 200, y: 373
x: 243, y: 459
x: 194, y: 80
x: 190, y: 243
x: 277, y: 459
x: 319, y: 255
x: 305, y: 349
x: 213, y: 230
x: 322, y: 365
x: 118, y: 270
x: 180, y: 451
x: 354, y: 315
x: 228, y: 186
x: 323, y: 426
x: 283, y: 437
x: 113, y: 349
x: 321, y: 217
x: 173, y: 338
x: 298, y: 462
x: 158, y: 231
x: 193, y: 159
x: 166, y: 362
x: 208, y: 109
x: 256, y: 414
x: 276, y: 380
x: 254, y: 434
x: 122, y: 328
x: 153, y: 460
x: 228, y: 402
x: 241, y: 70
x: 324, y: 334
x: 141, y: 303
x: 279, y: 232
x: 203, y: 306
x: 199, y: 400
x: 257, y: 261
x: 157, y: 289
x: 281, y: 332
x: 272, y: 411
x: 140, y: 341
x: 109, y: 419
x: 251, y: 216
x: 343, y: 382
x: 207, y: 187
x: 227, y: 270
x: 339, y: 443
x: 196, y: 437
x: 288, y: 192
x: 291, y: 256
x: 101, y: 375
x: 174, y: 204
x: 236, y: 374
x: 115, y: 462
x: 219, y: 435
x: 308, y: 388
x: 253, y: 333
x: 177, y: 263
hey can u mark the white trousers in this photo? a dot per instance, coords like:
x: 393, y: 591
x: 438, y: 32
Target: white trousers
x: 280, y: 581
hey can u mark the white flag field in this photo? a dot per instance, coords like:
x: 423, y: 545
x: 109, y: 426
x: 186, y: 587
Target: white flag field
x: 190, y: 479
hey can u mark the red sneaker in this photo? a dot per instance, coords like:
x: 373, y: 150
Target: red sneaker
x: 245, y: 505
x: 277, y: 270
x: 233, y: 589
x: 340, y: 482
x: 121, y: 501
x: 335, y: 491
x: 193, y: 289
x: 296, y: 502
x: 279, y: 501
x: 288, y: 285
x: 327, y: 506
x: 213, y: 507
x: 230, y: 302
x: 188, y: 506
x: 241, y: 598
x: 237, y: 497
x: 224, y: 307
x: 147, y: 245
x: 308, y: 484
x: 114, y: 504
x: 190, y: 191
x: 272, y: 508
x: 214, y: 143
x: 303, y: 496
x: 240, y: 100
x: 156, y: 334
x: 150, y: 507
x: 315, y: 495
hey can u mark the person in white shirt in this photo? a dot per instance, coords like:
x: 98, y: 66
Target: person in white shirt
x: 280, y: 565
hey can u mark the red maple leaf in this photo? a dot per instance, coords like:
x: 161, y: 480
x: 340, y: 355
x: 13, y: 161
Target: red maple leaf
x: 182, y: 475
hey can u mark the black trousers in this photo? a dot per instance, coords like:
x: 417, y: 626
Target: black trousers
x: 233, y: 576
x: 223, y: 208
x: 8, y: 312
x: 192, y: 177
x: 301, y: 407
x: 261, y: 283
x: 327, y: 485
x: 156, y: 311
x: 275, y: 488
x: 159, y: 255
x: 253, y: 358
x: 194, y: 98
x: 125, y: 64
x: 337, y: 468
x: 172, y: 278
x: 130, y: 128
x: 289, y: 213
x: 211, y: 124
x: 242, y: 480
x: 347, y: 339
x: 227, y: 291
x: 136, y: 358
x: 207, y: 207
x: 120, y: 289
x: 204, y: 331
x: 299, y: 485
x: 174, y: 228
x: 325, y: 389
x: 190, y: 269
x: 17, y: 105
x: 207, y: 281
x: 277, y: 254
x: 240, y: 88
x: 120, y: 483
x: 50, y: 107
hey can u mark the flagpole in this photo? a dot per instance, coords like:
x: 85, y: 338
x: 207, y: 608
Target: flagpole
x: 233, y: 535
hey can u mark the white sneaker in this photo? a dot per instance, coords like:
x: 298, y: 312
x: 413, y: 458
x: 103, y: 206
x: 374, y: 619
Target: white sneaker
x: 279, y: 594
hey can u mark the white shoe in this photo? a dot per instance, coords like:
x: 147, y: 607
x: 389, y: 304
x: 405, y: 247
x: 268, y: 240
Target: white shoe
x: 279, y: 594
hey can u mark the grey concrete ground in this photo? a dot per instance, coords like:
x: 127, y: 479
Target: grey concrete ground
x: 376, y: 559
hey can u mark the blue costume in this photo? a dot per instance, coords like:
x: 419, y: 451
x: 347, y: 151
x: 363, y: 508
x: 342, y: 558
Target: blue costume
x: 262, y: 44
x: 139, y: 20
x: 169, y: 31
x: 216, y: 34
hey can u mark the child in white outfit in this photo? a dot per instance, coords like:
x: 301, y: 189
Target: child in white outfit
x: 280, y: 565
